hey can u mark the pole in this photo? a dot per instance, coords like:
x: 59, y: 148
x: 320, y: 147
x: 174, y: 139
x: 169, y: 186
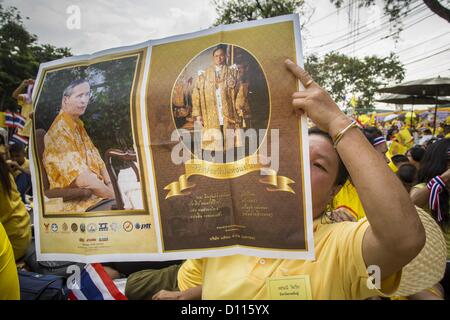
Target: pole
x: 435, y: 113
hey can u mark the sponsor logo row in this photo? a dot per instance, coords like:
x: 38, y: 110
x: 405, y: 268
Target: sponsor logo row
x: 127, y: 226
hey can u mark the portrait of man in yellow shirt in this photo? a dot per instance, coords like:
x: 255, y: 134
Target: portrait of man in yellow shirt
x: 70, y: 158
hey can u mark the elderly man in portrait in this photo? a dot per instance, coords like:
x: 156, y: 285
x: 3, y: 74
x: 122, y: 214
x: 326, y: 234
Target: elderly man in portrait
x: 215, y: 101
x: 70, y: 158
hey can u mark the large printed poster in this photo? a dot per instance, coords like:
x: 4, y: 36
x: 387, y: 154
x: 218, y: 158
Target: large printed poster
x: 178, y: 148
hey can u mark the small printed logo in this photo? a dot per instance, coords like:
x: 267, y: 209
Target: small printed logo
x: 114, y: 227
x: 145, y: 226
x: 82, y: 227
x: 128, y: 226
x: 54, y: 227
x: 142, y: 226
x: 46, y: 225
x: 81, y: 239
x: 91, y: 240
x: 74, y: 227
x: 102, y: 239
x: 91, y: 227
x: 103, y: 226
x: 65, y: 227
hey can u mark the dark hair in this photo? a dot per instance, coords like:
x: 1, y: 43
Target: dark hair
x: 434, y: 163
x: 69, y: 89
x: 372, y: 133
x: 399, y: 158
x: 407, y: 173
x: 342, y: 175
x: 391, y: 133
x: 417, y: 153
x: 16, y: 148
x: 427, y: 131
x: 220, y: 47
x: 4, y: 176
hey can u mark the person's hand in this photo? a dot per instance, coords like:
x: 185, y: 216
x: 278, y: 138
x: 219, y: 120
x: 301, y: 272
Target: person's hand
x: 13, y: 165
x: 28, y: 82
x: 315, y: 101
x: 340, y: 215
x: 199, y: 120
x: 168, y: 295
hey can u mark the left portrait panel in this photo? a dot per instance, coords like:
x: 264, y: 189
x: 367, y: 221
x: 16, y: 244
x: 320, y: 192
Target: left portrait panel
x: 84, y: 138
x: 89, y: 178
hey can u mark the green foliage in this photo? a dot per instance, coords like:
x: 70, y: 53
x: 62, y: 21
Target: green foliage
x: 344, y: 76
x: 20, y: 54
x: 107, y: 119
x: 232, y: 11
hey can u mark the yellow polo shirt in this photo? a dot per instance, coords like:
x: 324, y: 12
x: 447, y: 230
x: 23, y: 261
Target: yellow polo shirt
x: 27, y: 108
x: 348, y: 198
x: 338, y: 272
x: 15, y: 219
x: 9, y: 280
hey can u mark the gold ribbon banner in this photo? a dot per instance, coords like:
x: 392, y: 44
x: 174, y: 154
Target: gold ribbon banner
x: 279, y: 183
x: 226, y: 171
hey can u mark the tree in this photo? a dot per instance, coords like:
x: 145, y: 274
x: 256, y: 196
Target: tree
x: 397, y: 9
x: 20, y: 54
x: 342, y: 76
x: 232, y: 11
x: 338, y: 73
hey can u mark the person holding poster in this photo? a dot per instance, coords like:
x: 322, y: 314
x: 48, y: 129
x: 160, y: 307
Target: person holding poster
x: 346, y: 252
x: 215, y: 100
x: 70, y: 158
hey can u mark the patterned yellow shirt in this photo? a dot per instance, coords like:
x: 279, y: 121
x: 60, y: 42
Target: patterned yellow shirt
x: 26, y: 109
x: 68, y: 152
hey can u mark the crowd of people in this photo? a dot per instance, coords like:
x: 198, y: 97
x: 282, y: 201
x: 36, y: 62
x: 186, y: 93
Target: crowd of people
x: 380, y: 198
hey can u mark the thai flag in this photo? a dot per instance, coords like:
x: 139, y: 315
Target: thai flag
x: 95, y: 284
x: 19, y: 120
x: 18, y: 138
x: 9, y: 119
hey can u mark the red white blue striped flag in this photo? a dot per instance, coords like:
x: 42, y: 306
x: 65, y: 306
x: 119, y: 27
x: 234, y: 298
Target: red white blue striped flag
x: 95, y: 284
x: 18, y: 138
x: 19, y: 120
x: 9, y: 119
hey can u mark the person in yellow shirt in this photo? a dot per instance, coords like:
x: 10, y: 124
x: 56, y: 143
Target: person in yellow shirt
x: 24, y: 101
x: 13, y: 214
x: 20, y: 166
x: 9, y: 279
x: 70, y: 158
x: 432, y: 194
x: 347, y: 198
x: 343, y: 251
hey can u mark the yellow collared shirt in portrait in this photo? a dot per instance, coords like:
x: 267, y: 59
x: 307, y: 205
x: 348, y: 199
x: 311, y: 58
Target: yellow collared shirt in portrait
x: 68, y: 152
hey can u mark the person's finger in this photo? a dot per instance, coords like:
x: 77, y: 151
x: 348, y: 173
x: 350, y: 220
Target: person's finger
x: 299, y: 112
x: 298, y: 103
x: 299, y: 72
x: 299, y: 94
x: 157, y: 295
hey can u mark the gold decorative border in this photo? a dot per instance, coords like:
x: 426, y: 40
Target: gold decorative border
x: 135, y: 119
x: 303, y: 204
